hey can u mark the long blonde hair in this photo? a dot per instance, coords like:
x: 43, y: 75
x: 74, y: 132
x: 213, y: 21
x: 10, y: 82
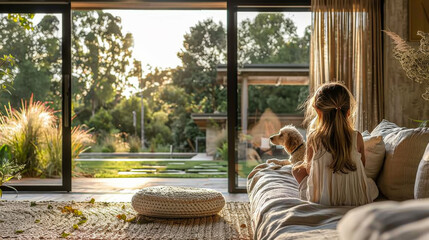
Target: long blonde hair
x: 332, y: 128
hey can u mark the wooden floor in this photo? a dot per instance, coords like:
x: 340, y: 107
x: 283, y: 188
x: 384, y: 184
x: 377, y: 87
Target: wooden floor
x: 117, y: 189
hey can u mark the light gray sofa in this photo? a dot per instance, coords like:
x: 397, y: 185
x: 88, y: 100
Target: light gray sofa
x: 278, y: 213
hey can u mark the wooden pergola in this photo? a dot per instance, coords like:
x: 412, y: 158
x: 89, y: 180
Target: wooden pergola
x: 255, y: 74
x: 263, y: 74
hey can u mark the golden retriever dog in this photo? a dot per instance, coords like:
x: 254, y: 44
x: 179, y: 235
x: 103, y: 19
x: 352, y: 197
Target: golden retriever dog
x: 293, y: 143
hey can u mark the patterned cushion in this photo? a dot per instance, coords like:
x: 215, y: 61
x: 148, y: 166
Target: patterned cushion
x: 421, y: 188
x: 177, y: 202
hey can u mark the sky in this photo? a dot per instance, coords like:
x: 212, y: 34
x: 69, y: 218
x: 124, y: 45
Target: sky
x: 158, y: 34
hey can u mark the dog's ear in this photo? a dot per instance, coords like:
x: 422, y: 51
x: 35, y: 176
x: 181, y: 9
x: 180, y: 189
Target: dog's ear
x: 292, y: 142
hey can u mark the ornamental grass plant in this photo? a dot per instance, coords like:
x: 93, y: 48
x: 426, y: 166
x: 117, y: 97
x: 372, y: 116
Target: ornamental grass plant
x: 34, y: 134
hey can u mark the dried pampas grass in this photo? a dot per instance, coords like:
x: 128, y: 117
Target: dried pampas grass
x: 415, y: 62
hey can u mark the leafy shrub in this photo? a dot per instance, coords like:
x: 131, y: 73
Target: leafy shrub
x: 101, y: 122
x: 222, y: 145
x: 122, y: 114
x: 157, y: 131
x: 109, y: 144
x: 222, y: 152
x: 8, y: 169
x: 134, y: 143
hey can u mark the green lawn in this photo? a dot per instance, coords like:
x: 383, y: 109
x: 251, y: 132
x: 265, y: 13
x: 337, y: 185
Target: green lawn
x: 111, y: 169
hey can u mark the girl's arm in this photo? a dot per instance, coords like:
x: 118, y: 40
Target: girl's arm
x: 309, y: 159
x: 361, y: 147
x: 303, y: 170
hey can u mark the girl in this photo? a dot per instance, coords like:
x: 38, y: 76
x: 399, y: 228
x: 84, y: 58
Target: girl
x: 333, y: 173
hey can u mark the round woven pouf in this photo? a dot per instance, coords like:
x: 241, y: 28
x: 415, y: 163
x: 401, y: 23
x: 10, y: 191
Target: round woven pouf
x: 177, y: 202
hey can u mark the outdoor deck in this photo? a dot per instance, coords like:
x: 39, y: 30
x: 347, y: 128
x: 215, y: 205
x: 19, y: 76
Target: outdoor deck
x: 116, y: 189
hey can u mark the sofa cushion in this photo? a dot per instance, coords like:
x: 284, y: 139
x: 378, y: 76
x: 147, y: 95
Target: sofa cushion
x: 384, y: 128
x: 421, y: 187
x: 404, y: 151
x: 277, y: 212
x: 374, y: 154
x: 387, y: 220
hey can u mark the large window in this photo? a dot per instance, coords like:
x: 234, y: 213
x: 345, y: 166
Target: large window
x: 138, y: 93
x: 272, y: 60
x: 34, y: 78
x: 141, y: 89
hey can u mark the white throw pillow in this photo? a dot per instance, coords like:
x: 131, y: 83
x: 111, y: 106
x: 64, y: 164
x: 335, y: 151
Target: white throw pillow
x: 374, y: 154
x: 421, y: 187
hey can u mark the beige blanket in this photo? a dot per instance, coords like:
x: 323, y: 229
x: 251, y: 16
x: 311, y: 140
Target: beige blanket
x: 278, y: 213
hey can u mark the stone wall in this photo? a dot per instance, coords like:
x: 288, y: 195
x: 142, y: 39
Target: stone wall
x: 402, y: 96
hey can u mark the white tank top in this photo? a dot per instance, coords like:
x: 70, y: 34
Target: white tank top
x: 338, y: 189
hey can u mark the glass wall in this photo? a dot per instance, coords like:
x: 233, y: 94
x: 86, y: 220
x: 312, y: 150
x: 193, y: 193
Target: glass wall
x: 273, y: 58
x: 149, y: 92
x: 145, y: 90
x: 31, y: 95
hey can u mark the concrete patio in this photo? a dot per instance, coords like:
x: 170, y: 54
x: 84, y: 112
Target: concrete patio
x: 116, y: 189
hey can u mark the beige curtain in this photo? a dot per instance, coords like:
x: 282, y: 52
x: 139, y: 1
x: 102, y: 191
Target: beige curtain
x: 346, y: 47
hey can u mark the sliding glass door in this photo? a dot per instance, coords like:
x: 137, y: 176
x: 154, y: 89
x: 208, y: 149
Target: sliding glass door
x: 35, y: 93
x: 266, y: 78
x: 268, y: 75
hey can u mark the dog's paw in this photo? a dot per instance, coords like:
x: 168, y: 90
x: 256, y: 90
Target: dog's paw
x: 278, y: 161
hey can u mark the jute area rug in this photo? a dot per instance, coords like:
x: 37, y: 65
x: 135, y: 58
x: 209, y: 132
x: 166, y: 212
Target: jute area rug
x: 86, y: 220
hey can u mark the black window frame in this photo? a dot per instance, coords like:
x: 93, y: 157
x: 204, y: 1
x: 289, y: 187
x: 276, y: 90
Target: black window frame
x: 234, y: 6
x: 63, y: 8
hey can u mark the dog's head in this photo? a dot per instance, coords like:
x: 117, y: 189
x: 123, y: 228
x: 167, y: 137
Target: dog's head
x: 288, y: 137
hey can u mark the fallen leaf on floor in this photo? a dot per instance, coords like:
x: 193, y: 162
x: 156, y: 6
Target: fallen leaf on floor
x: 69, y: 209
x: 75, y: 226
x: 50, y: 206
x: 122, y: 217
x: 65, y: 234
x: 243, y: 225
x: 36, y: 221
x: 32, y: 204
x: 19, y: 231
x: 82, y: 220
x: 92, y: 201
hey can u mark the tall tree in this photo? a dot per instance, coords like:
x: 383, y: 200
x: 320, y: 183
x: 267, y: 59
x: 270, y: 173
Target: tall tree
x: 101, y: 54
x: 7, y: 61
x: 38, y: 60
x: 270, y: 38
x: 204, y: 47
